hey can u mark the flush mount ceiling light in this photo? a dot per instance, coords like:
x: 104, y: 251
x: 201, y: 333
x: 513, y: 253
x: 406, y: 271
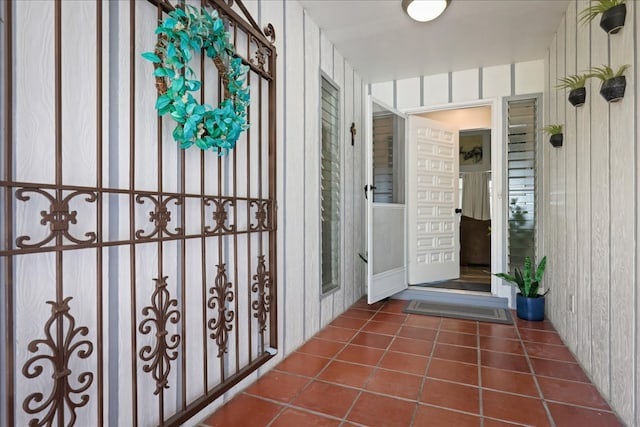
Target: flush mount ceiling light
x: 424, y: 10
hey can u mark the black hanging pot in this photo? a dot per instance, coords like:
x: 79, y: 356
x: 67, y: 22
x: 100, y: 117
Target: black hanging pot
x: 613, y: 89
x: 613, y: 19
x: 578, y: 96
x: 556, y: 140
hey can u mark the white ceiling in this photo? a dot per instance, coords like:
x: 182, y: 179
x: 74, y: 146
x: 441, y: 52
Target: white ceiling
x: 382, y: 43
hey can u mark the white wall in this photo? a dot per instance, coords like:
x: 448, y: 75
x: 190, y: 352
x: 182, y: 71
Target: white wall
x: 591, y: 209
x: 460, y: 86
x: 305, y: 47
x: 303, y: 53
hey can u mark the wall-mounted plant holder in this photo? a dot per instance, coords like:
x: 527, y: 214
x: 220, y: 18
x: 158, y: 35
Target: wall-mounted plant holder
x: 613, y: 19
x: 613, y: 84
x: 614, y: 13
x: 555, y: 132
x: 575, y: 83
x: 556, y: 140
x: 577, y: 97
x: 612, y: 90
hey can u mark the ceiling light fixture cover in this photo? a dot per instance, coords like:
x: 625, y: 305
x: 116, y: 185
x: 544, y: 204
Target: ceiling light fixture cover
x: 424, y: 10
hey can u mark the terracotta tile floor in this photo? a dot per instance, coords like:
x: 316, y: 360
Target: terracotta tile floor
x: 376, y: 366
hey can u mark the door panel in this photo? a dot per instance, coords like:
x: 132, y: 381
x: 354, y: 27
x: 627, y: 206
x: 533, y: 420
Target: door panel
x: 433, y: 226
x: 386, y: 211
x: 388, y: 223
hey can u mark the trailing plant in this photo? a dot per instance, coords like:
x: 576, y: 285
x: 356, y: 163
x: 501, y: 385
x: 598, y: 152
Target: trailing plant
x: 597, y: 7
x: 553, y: 129
x: 527, y: 281
x: 184, y: 32
x: 574, y: 81
x: 606, y: 72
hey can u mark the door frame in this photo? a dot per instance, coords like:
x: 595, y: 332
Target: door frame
x: 499, y: 217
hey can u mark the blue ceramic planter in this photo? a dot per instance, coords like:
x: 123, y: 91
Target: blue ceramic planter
x: 530, y: 308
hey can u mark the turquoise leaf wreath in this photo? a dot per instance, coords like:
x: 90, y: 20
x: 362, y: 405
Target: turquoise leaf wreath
x: 182, y: 33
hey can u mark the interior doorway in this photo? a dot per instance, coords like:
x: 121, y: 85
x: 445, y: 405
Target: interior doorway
x: 431, y: 227
x: 475, y: 197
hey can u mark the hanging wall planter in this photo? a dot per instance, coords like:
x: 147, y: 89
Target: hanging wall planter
x: 613, y: 19
x: 577, y: 97
x: 613, y: 13
x: 556, y: 140
x: 576, y: 83
x: 555, y: 132
x: 613, y: 89
x: 613, y: 84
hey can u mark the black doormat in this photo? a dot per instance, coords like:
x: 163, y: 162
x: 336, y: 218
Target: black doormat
x: 459, y: 285
x: 460, y: 311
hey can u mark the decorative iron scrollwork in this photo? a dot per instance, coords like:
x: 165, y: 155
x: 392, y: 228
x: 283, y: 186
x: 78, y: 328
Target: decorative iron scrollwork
x: 61, y: 344
x: 159, y: 314
x: 261, y: 286
x: 58, y: 217
x: 260, y: 60
x: 270, y: 32
x: 263, y: 219
x: 221, y: 325
x: 160, y: 216
x: 220, y: 215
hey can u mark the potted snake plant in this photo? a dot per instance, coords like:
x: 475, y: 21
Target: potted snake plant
x: 613, y: 13
x: 529, y: 302
x: 575, y: 83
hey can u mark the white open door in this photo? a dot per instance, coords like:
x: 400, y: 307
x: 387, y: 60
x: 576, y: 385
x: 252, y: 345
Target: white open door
x: 385, y: 193
x: 433, y: 224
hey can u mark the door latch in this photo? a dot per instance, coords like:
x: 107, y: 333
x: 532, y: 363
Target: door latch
x: 367, y: 188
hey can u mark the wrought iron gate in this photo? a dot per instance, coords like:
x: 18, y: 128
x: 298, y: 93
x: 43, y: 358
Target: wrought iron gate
x: 138, y: 279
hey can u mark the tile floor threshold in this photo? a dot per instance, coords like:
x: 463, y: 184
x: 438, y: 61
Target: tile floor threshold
x: 376, y: 366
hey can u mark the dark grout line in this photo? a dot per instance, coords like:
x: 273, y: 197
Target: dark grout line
x: 479, y: 355
x: 288, y: 405
x: 426, y: 370
x: 575, y: 405
x: 535, y: 379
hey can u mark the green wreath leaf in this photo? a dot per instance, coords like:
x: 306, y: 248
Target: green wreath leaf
x: 150, y: 56
x: 162, y: 102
